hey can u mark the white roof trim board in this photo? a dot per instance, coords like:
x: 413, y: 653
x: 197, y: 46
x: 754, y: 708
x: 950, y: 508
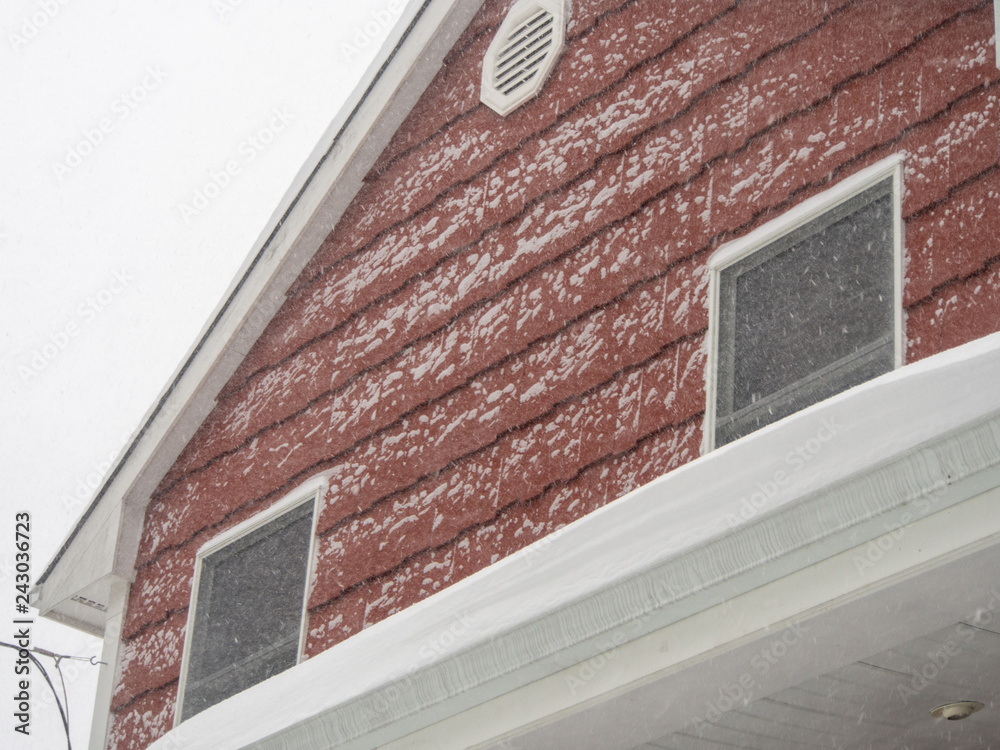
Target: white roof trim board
x: 101, y: 549
x: 523, y: 53
x: 771, y: 508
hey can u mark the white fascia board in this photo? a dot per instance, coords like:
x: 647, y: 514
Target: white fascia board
x: 915, y: 441
x: 103, y: 545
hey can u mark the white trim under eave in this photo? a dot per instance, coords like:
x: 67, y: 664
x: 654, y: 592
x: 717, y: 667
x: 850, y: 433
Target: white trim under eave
x: 813, y: 486
x: 101, y: 549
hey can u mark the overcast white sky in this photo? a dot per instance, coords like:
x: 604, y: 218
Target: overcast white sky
x: 114, y: 116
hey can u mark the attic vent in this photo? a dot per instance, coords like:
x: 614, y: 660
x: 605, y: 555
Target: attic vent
x: 90, y: 603
x: 519, y: 61
x: 522, y: 54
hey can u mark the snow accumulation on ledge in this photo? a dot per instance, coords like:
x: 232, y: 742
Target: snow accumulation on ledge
x: 796, y: 483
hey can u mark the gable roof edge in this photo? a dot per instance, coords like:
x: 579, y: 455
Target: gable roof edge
x: 102, y: 546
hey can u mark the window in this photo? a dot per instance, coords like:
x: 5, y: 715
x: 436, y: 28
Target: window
x: 247, y: 611
x: 522, y: 54
x: 806, y: 306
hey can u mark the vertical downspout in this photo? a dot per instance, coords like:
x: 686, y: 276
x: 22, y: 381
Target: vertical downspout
x: 110, y: 655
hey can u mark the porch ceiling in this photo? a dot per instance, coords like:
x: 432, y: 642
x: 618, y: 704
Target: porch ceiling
x: 882, y: 701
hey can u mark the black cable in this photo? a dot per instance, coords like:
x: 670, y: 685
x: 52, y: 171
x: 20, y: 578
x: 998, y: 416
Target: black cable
x: 62, y: 713
x: 62, y: 682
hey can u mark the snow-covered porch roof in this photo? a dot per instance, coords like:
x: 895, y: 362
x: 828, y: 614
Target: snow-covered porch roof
x: 856, y: 526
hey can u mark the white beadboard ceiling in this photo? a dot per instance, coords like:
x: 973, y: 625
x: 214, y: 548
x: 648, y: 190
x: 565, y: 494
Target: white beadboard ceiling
x: 880, y: 702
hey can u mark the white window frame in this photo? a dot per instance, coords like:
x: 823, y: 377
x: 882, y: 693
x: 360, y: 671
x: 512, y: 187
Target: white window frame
x: 312, y: 491
x: 785, y: 224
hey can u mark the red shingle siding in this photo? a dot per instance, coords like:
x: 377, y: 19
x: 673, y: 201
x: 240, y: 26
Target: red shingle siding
x: 150, y: 659
x: 148, y: 718
x: 953, y: 239
x: 506, y: 330
x: 959, y: 312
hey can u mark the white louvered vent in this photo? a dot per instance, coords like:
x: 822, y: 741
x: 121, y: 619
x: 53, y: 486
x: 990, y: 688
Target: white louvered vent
x: 523, y: 53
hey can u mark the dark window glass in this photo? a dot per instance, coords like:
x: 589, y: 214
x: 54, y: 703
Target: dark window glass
x: 807, y: 316
x: 248, y: 614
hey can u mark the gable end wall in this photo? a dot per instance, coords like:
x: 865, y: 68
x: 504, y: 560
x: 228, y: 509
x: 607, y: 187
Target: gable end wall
x: 506, y: 330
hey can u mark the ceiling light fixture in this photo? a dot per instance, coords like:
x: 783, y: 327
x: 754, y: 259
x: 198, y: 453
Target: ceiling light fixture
x: 956, y: 711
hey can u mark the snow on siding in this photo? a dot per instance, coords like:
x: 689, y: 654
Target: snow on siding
x: 506, y: 331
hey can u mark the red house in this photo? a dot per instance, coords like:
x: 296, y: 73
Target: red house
x: 620, y: 374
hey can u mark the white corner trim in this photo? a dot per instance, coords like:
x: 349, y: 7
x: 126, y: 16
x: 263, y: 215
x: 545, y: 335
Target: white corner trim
x: 491, y: 94
x: 311, y: 491
x: 996, y: 29
x: 785, y: 224
x: 824, y: 481
x: 110, y: 668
